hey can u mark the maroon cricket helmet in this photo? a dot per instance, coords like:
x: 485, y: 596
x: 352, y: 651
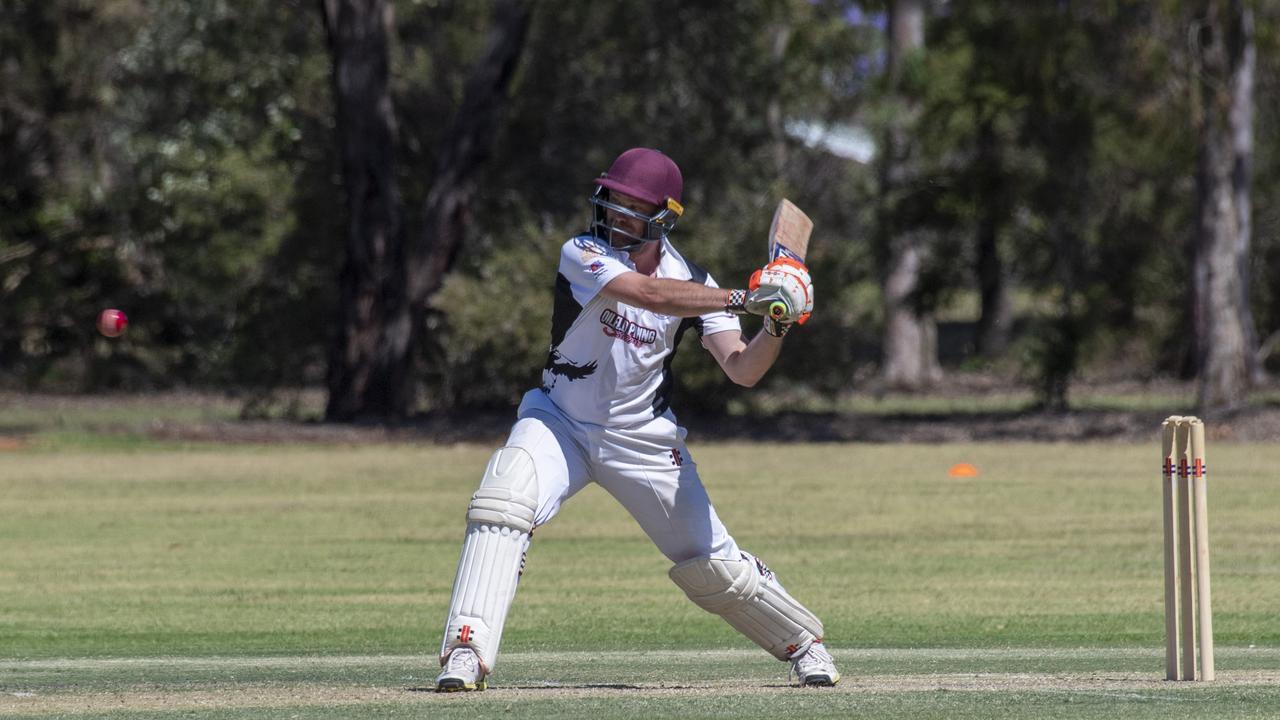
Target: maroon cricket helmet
x: 646, y: 174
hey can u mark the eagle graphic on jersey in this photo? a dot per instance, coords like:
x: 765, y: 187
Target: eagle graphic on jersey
x: 559, y: 367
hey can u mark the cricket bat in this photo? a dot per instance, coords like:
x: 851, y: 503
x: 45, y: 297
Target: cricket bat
x: 788, y: 237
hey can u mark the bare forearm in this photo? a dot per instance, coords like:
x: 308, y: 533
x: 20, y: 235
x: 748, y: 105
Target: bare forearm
x: 750, y: 365
x: 745, y: 363
x: 680, y: 298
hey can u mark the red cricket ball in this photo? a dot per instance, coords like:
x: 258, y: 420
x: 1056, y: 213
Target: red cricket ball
x: 112, y: 322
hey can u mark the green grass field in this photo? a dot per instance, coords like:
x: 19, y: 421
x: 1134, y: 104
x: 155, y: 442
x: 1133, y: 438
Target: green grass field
x: 149, y: 580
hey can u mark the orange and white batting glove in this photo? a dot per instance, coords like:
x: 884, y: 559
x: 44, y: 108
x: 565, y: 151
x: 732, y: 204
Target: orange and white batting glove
x: 782, y: 293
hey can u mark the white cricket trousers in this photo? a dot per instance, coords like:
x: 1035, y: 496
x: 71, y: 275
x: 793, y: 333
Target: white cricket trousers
x: 647, y: 468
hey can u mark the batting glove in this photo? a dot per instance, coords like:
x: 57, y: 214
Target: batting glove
x: 782, y: 292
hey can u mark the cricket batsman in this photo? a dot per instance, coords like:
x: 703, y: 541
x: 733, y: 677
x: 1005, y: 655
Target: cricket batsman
x: 624, y: 297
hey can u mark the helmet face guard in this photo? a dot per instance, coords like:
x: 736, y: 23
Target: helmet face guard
x: 656, y: 226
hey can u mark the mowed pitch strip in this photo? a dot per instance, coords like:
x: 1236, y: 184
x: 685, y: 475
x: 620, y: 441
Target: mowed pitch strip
x: 88, y: 687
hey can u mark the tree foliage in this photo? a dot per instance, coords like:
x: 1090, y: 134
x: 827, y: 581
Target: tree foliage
x: 178, y: 159
x: 156, y: 165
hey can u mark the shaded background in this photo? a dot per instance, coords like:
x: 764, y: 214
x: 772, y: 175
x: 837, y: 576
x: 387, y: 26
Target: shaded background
x: 367, y: 196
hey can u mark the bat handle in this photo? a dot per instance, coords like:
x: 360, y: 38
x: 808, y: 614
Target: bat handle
x: 777, y: 309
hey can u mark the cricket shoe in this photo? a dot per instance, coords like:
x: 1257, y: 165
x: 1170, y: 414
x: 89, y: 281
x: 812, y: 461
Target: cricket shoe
x: 815, y: 667
x: 462, y: 671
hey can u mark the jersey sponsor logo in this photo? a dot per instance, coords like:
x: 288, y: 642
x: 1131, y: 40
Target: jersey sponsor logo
x: 619, y: 327
x: 596, y: 267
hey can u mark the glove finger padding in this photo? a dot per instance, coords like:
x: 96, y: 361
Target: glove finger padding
x: 775, y: 328
x: 781, y: 291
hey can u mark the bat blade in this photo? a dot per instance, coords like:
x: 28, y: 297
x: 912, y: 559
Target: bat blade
x: 789, y: 233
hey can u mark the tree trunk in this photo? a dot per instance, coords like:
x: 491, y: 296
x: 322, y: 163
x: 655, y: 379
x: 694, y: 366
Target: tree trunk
x: 367, y: 363
x: 1222, y: 321
x: 388, y: 280
x: 1245, y: 61
x: 780, y: 34
x: 464, y: 150
x: 910, y: 357
x: 996, y: 321
x: 1065, y: 331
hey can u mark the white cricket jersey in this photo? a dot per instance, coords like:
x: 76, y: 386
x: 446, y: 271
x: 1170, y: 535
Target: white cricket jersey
x: 610, y: 363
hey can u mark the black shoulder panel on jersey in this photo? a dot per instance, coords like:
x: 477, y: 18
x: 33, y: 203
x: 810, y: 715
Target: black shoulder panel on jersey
x: 564, y: 312
x: 698, y: 274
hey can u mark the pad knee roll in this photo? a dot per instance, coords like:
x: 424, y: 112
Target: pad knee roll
x: 746, y: 594
x: 499, y: 521
x: 508, y: 494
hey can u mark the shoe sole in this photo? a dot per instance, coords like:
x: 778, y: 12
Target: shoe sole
x: 454, y: 685
x: 821, y: 681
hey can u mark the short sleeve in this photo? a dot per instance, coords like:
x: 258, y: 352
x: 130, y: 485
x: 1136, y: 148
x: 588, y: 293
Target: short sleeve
x: 588, y: 267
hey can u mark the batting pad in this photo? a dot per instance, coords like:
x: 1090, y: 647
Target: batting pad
x: 748, y: 596
x: 499, y: 520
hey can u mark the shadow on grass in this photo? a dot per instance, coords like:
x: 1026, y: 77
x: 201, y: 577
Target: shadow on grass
x: 491, y: 427
x: 1139, y: 422
x: 555, y: 687
x: 1254, y: 423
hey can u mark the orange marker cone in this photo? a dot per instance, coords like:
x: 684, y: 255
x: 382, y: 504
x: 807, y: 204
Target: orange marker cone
x: 962, y: 470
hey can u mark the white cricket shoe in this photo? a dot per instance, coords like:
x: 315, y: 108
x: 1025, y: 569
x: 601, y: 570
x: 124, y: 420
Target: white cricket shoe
x: 815, y: 667
x: 461, y: 672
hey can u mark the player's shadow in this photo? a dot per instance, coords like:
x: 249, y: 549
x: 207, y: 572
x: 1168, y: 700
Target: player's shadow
x: 563, y: 686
